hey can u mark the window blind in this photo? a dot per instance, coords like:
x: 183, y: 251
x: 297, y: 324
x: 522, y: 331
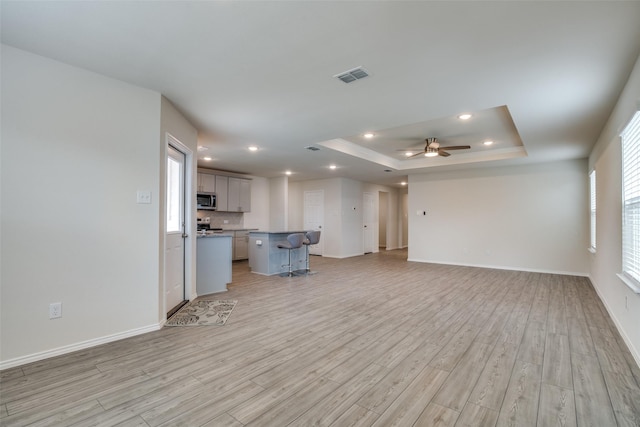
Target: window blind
x: 631, y: 199
x: 592, y: 197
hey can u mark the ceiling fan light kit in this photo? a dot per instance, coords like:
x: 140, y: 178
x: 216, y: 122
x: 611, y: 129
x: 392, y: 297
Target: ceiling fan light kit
x: 433, y: 149
x: 431, y: 152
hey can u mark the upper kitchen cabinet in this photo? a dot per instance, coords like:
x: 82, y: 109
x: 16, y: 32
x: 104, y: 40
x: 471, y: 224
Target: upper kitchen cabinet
x: 239, y: 195
x: 206, y: 183
x: 222, y: 193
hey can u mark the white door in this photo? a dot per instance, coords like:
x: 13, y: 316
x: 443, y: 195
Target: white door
x: 368, y: 219
x: 175, y: 230
x: 314, y: 217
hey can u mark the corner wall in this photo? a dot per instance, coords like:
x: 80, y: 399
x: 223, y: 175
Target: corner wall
x: 606, y: 157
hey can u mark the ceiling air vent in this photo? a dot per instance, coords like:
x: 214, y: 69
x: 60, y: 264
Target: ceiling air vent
x: 312, y: 148
x: 352, y: 75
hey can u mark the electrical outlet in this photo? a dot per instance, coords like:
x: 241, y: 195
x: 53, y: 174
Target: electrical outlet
x: 55, y: 310
x: 143, y: 196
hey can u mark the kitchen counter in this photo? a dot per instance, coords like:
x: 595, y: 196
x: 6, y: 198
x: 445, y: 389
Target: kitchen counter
x: 213, y: 263
x: 266, y: 258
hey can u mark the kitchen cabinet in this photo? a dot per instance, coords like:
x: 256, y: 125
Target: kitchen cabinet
x: 239, y: 195
x: 233, y: 194
x: 206, y: 183
x: 241, y: 245
x: 222, y: 190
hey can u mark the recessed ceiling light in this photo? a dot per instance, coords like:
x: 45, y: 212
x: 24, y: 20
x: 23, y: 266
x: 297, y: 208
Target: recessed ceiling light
x: 488, y: 142
x: 253, y: 148
x: 403, y: 183
x: 208, y: 159
x: 202, y: 148
x: 287, y: 173
x: 332, y: 167
x: 408, y: 154
x: 465, y: 116
x: 369, y: 135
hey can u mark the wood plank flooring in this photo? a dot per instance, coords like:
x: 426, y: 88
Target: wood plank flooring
x: 367, y: 341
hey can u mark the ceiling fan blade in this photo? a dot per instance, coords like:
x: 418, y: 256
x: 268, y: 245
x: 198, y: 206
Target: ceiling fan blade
x: 456, y: 147
x: 443, y: 153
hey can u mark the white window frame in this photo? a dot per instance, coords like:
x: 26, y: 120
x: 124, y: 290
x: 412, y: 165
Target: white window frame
x: 592, y: 210
x: 630, y: 139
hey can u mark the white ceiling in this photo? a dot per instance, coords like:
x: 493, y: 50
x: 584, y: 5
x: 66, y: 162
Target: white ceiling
x: 540, y: 77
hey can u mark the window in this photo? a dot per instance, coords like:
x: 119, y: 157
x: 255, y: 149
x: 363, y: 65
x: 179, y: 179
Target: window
x: 631, y: 202
x: 174, y: 217
x: 592, y: 199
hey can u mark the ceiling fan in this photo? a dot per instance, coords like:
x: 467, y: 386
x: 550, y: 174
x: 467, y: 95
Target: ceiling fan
x: 433, y: 149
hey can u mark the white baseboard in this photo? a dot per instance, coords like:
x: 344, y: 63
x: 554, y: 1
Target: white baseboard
x: 502, y: 267
x: 23, y: 360
x: 634, y: 351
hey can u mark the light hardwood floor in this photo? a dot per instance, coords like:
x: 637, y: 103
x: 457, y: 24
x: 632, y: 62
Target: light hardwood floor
x: 367, y: 341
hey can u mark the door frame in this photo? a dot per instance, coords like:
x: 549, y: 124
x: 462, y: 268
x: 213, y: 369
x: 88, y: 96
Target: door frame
x: 189, y: 228
x: 373, y: 231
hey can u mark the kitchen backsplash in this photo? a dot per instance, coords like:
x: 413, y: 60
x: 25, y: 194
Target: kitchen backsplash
x: 217, y: 219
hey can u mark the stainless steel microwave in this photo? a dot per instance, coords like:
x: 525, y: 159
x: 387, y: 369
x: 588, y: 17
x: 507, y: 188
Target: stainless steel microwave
x: 207, y: 201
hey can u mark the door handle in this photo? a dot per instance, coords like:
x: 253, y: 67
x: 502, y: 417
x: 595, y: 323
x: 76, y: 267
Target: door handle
x: 185, y: 235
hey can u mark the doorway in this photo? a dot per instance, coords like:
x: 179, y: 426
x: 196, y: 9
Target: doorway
x: 175, y: 230
x: 314, y: 217
x: 368, y: 219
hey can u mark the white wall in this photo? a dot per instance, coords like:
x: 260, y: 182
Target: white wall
x: 530, y: 217
x: 278, y: 203
x: 260, y: 205
x: 295, y: 207
x: 77, y: 146
x: 351, y: 218
x: 621, y: 302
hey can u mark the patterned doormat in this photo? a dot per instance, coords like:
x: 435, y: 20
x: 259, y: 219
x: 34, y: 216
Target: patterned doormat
x: 203, y: 313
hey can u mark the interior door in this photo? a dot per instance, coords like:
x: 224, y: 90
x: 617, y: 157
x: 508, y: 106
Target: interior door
x: 368, y: 222
x: 314, y: 217
x: 175, y: 230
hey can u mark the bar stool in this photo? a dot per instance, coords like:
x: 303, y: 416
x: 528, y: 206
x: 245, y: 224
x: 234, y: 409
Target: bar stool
x: 294, y: 241
x: 313, y: 237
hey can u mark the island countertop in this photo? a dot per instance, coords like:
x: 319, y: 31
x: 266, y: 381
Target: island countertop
x: 200, y: 236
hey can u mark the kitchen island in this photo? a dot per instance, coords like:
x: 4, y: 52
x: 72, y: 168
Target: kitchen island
x: 266, y: 258
x: 213, y: 263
